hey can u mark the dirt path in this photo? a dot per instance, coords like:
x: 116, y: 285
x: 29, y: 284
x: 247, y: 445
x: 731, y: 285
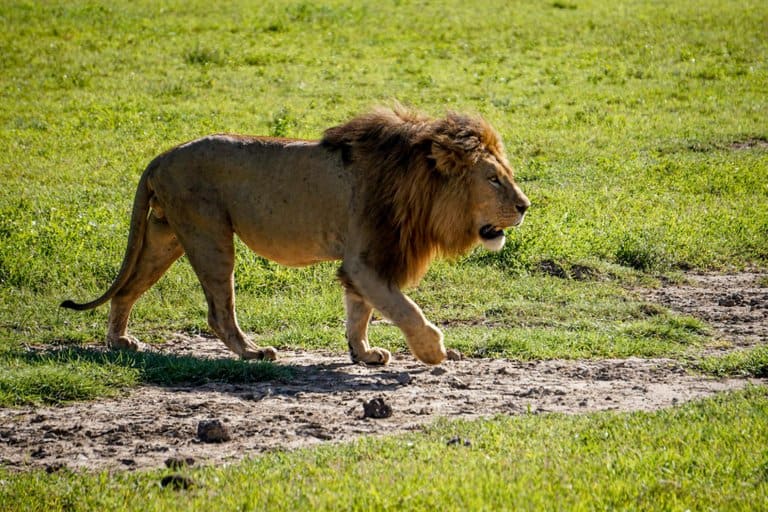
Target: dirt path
x: 324, y: 403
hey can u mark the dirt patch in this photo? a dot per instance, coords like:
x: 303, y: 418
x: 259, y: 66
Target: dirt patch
x: 750, y: 143
x: 325, y: 401
x: 735, y: 305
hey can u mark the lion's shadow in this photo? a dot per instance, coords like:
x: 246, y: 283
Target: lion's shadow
x: 252, y: 379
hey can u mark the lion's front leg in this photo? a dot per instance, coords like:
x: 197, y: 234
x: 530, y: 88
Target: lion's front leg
x: 358, y: 316
x: 423, y: 338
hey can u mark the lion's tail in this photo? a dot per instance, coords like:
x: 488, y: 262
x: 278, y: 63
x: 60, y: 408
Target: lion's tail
x: 139, y: 218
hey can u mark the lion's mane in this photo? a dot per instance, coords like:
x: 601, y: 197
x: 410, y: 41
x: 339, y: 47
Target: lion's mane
x: 414, y: 183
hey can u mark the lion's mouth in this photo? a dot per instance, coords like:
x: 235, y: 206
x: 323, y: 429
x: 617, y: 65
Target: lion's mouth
x: 492, y: 237
x: 489, y: 232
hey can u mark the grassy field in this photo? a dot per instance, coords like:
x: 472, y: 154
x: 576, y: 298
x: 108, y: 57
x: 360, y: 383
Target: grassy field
x: 638, y: 130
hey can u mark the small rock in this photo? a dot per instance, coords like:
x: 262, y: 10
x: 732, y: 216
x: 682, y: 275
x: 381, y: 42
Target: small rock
x: 404, y: 379
x: 177, y: 482
x: 377, y: 409
x: 454, y: 355
x: 212, y: 431
x: 457, y: 383
x: 730, y: 300
x: 179, y: 462
x: 437, y: 371
x: 54, y: 467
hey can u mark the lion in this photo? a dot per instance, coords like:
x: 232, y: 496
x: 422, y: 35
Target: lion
x: 385, y: 193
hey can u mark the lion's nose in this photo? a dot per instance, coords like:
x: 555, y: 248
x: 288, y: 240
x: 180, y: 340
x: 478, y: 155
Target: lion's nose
x: 522, y: 207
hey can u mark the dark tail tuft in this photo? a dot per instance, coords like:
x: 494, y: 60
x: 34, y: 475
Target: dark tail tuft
x: 71, y: 305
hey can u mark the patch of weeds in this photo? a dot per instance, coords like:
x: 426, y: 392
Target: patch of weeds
x: 281, y: 123
x: 30, y: 123
x: 276, y: 27
x: 200, y: 56
x: 682, y: 330
x: 70, y: 374
x: 648, y: 309
x: 51, y: 379
x: 642, y: 252
x: 173, y: 89
x: 743, y: 363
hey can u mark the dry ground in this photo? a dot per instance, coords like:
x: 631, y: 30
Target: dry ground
x: 323, y: 403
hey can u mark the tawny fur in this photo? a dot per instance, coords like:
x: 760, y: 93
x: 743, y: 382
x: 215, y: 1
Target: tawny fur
x: 386, y: 192
x: 415, y: 212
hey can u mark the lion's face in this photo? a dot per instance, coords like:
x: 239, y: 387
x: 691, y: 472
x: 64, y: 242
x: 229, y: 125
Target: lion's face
x: 498, y: 203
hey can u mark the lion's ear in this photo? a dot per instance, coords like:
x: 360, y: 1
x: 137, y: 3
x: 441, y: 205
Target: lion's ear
x: 448, y: 161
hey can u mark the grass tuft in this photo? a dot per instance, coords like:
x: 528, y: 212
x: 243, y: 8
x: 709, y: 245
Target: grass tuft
x: 743, y: 363
x: 644, y: 253
x: 203, y: 56
x: 59, y: 376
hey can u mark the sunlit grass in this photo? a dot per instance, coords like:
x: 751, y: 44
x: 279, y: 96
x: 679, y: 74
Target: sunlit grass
x: 637, y: 129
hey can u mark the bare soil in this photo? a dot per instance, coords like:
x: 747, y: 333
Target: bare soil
x: 734, y: 305
x: 324, y: 402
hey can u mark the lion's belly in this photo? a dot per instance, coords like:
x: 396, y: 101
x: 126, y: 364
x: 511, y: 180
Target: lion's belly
x: 294, y: 249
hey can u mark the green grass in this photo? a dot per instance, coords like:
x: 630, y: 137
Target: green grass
x: 706, y: 455
x: 64, y: 375
x: 637, y: 129
x: 751, y: 362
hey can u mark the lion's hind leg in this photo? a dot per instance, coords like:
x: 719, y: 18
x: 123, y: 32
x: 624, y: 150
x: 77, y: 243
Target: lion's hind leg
x: 159, y: 250
x: 212, y: 256
x: 358, y: 316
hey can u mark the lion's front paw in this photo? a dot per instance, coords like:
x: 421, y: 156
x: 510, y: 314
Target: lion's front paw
x: 261, y: 354
x: 372, y: 356
x: 427, y: 345
x: 128, y: 343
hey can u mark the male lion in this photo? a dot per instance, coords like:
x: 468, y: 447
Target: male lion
x: 385, y: 193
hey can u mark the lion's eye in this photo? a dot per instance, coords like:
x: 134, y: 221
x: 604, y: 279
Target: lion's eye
x: 494, y: 181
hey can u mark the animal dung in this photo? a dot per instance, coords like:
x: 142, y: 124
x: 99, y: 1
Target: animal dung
x: 376, y: 408
x: 212, y: 431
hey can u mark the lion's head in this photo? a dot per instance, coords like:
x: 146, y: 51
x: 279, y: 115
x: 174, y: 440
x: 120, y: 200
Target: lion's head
x: 430, y: 187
